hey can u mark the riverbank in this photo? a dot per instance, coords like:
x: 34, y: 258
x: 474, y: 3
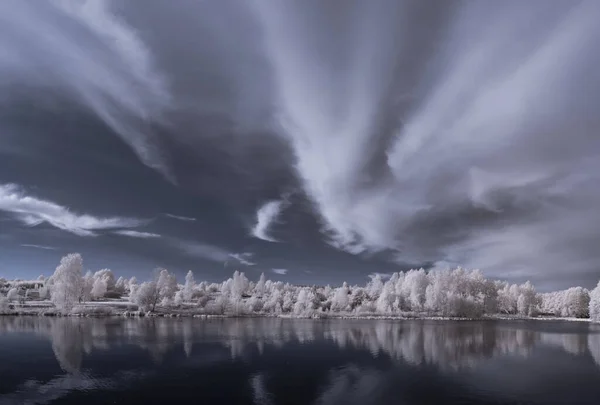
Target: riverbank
x: 126, y: 309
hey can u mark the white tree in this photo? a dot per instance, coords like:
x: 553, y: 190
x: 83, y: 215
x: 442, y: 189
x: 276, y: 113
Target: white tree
x: 120, y: 285
x: 595, y: 304
x: 13, y: 294
x: 108, y: 276
x: 240, y: 285
x: 166, y: 284
x: 527, y: 300
x: 145, y: 295
x: 99, y: 288
x: 340, y: 299
x: 67, y: 280
x: 87, y: 283
x: 260, y: 287
x: 188, y: 287
x: 304, y: 302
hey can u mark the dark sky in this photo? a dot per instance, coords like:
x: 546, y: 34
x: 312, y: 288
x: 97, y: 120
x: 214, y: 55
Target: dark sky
x: 317, y: 141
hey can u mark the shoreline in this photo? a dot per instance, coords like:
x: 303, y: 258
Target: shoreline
x: 183, y: 314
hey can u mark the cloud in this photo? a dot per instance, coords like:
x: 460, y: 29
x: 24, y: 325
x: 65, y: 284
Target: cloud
x: 243, y: 258
x: 202, y: 250
x: 266, y: 215
x: 383, y: 276
x: 434, y: 156
x: 38, y: 246
x: 280, y: 271
x: 180, y: 217
x: 33, y: 211
x: 109, y: 70
x: 137, y: 234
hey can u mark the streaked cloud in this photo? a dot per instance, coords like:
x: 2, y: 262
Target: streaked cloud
x: 137, y: 234
x: 33, y: 211
x: 266, y: 215
x: 280, y: 271
x: 180, y: 217
x: 38, y: 246
x: 243, y: 258
x: 202, y: 250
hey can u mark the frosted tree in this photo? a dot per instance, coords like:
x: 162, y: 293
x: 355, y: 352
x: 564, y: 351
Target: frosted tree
x: 87, y: 283
x: 13, y: 294
x: 99, y: 288
x: 575, y: 302
x: 132, y: 281
x: 260, y: 287
x: 4, y: 305
x: 120, y: 285
x: 340, y: 299
x: 304, y: 303
x: 595, y: 304
x: 527, y: 300
x: 66, y: 282
x: 178, y: 300
x: 188, y: 287
x: 166, y: 284
x: 414, y: 288
x: 240, y: 285
x: 386, y: 298
x: 108, y: 276
x: 145, y: 295
x: 374, y: 287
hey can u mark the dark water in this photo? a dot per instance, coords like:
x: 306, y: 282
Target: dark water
x: 275, y: 361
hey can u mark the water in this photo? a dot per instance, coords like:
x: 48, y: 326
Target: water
x: 279, y: 361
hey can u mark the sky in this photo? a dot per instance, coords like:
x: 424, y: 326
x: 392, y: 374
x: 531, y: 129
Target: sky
x: 313, y: 141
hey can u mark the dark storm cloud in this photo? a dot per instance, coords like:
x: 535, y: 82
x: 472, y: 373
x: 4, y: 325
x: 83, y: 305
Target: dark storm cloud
x: 411, y: 132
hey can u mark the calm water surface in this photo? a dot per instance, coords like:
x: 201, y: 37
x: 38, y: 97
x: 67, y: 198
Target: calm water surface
x: 277, y: 361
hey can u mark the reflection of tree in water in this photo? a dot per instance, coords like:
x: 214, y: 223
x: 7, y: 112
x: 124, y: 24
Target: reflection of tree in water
x: 443, y: 344
x: 67, y: 335
x: 594, y: 344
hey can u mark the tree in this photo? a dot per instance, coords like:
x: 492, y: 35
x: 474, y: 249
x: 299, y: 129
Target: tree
x: 99, y: 288
x: 188, y: 287
x: 166, y: 284
x: 146, y: 296
x: 340, y: 299
x: 162, y: 289
x: 13, y: 294
x: 108, y: 277
x: 259, y: 288
x: 67, y: 280
x: 87, y: 284
x: 595, y: 304
x: 120, y: 285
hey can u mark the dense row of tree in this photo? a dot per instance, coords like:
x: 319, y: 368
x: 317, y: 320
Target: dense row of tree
x: 456, y: 292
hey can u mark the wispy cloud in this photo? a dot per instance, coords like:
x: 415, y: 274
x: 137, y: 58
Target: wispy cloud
x: 180, y: 217
x: 265, y: 217
x: 33, y: 211
x: 38, y: 246
x: 280, y: 271
x: 383, y: 276
x: 243, y: 258
x: 202, y: 250
x: 137, y: 234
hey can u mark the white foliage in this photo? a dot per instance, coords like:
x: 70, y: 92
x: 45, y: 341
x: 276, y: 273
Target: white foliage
x: 99, y: 288
x: 595, y: 304
x: 67, y: 280
x: 188, y: 287
x: 13, y: 294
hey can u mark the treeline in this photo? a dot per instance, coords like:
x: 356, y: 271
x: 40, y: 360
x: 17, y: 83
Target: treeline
x: 449, y: 293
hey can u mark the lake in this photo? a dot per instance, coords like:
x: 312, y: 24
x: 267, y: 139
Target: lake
x: 267, y: 361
